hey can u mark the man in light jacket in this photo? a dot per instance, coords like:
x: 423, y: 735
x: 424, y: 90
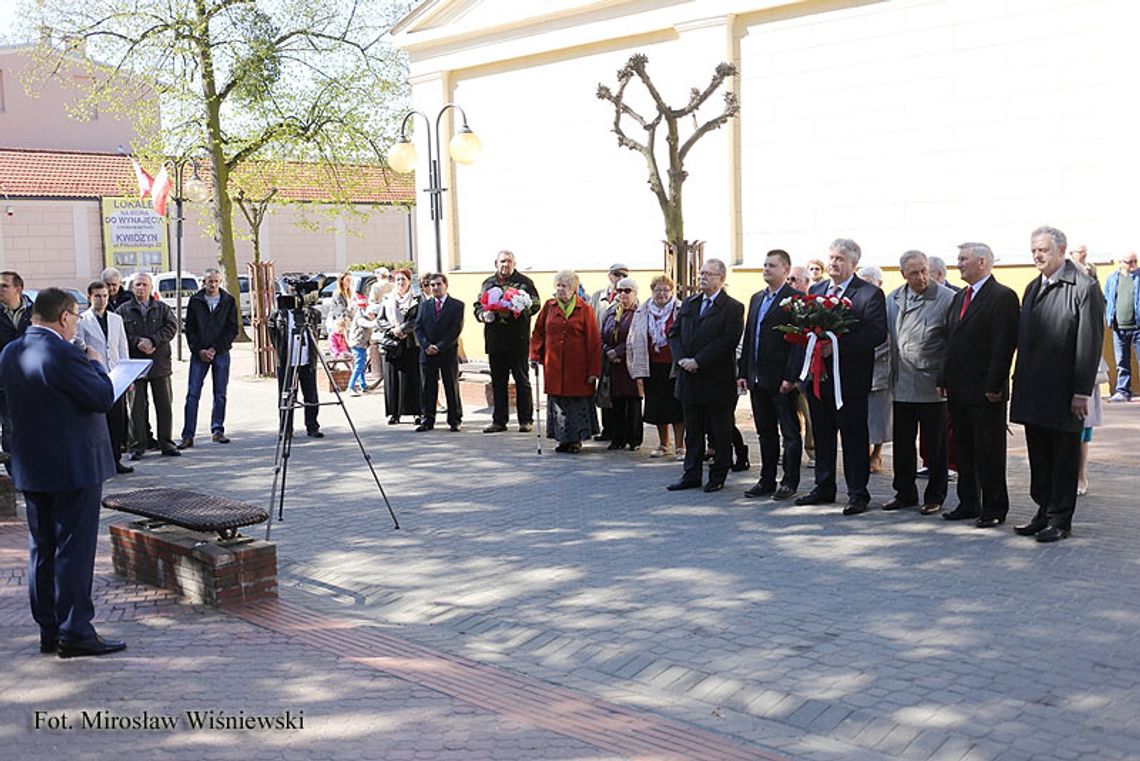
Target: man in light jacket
x: 916, y: 321
x: 102, y: 330
x: 1122, y: 308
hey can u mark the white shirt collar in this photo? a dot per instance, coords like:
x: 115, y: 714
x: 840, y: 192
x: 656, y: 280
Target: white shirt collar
x: 842, y: 286
x: 978, y: 285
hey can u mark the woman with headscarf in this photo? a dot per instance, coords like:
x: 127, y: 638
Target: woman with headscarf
x: 566, y: 342
x: 398, y: 345
x: 625, y: 392
x: 651, y: 362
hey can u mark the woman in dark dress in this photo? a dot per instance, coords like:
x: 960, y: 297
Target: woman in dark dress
x: 398, y: 344
x: 624, y: 390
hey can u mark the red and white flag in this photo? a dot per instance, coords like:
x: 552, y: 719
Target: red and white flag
x: 160, y: 191
x: 145, y: 180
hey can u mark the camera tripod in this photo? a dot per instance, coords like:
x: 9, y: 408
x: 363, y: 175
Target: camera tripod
x: 301, y: 338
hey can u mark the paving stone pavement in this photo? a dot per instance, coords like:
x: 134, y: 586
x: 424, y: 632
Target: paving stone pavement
x: 879, y: 636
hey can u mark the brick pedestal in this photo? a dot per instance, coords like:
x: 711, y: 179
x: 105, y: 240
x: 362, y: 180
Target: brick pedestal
x: 7, y: 497
x: 193, y: 564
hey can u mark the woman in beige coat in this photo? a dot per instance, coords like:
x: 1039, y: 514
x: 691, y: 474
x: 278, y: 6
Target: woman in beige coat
x: 650, y: 361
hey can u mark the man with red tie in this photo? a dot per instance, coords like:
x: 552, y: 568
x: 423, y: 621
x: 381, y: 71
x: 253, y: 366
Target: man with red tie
x: 438, y: 325
x: 981, y: 336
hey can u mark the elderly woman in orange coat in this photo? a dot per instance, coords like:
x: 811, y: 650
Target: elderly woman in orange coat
x: 567, y: 343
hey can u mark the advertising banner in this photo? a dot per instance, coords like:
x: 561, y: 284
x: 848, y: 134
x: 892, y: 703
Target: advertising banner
x: 134, y: 236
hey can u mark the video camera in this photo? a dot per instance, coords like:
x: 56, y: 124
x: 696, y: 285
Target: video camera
x: 302, y: 290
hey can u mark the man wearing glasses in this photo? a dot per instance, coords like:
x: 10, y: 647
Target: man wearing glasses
x: 703, y: 341
x: 1122, y: 307
x: 438, y: 325
x: 59, y: 398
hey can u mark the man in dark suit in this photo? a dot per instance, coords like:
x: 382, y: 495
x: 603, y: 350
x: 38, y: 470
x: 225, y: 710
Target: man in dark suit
x: 703, y: 341
x: 507, y: 340
x: 297, y: 360
x: 856, y: 368
x: 981, y: 336
x: 770, y: 367
x: 1058, y: 350
x: 438, y: 325
x: 61, y: 454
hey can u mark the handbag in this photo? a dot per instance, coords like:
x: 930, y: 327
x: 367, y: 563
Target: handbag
x: 602, y: 396
x: 391, y: 346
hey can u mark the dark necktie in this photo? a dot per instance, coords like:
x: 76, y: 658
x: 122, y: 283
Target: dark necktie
x: 706, y: 302
x: 966, y: 302
x: 438, y: 307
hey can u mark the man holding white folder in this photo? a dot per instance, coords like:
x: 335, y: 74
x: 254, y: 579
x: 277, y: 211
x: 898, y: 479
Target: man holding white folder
x: 102, y: 330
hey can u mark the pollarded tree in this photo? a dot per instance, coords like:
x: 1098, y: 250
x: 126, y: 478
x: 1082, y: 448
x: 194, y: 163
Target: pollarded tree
x: 668, y: 193
x: 243, y: 80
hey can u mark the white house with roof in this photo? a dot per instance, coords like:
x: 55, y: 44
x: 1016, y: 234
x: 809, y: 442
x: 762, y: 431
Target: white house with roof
x: 899, y: 123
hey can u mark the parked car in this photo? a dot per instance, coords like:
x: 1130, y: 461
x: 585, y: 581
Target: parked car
x: 243, y: 298
x: 166, y: 284
x: 80, y: 297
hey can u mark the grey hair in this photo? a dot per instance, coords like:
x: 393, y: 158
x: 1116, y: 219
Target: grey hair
x: 978, y: 249
x: 1059, y: 239
x: 872, y: 273
x: 937, y: 264
x: 507, y: 253
x: 567, y: 277
x: 147, y: 275
x: 848, y: 248
x: 627, y: 282
x: 212, y: 271
x: 718, y: 265
x: 913, y: 254
x: 109, y: 273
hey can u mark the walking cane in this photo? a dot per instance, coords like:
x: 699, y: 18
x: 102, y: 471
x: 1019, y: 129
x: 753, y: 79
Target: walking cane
x: 537, y: 413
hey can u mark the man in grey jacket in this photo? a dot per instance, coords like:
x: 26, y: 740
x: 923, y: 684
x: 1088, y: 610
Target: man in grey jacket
x: 1058, y: 349
x: 916, y: 320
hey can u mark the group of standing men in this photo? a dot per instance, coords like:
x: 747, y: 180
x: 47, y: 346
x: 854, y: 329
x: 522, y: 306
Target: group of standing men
x: 950, y: 365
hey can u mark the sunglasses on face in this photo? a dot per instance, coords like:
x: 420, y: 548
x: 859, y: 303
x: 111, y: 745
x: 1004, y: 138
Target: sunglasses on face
x: 625, y: 290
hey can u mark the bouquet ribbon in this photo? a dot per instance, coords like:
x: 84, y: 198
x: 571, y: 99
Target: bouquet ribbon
x: 813, y: 363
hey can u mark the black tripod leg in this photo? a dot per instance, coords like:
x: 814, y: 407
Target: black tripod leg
x: 284, y: 448
x: 364, y: 452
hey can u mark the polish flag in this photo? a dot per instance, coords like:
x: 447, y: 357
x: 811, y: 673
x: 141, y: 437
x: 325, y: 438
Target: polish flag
x: 160, y: 191
x: 145, y: 180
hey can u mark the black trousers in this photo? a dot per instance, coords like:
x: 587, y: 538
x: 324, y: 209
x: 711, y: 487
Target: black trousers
x: 307, y: 385
x: 716, y: 422
x: 777, y: 415
x: 1053, y: 468
x: 63, y: 528
x: 625, y: 415
x: 504, y: 366
x: 909, y: 419
x: 160, y: 389
x: 117, y: 426
x: 432, y: 372
x: 850, y: 422
x: 980, y: 447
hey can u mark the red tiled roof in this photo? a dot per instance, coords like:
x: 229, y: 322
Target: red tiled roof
x: 72, y: 174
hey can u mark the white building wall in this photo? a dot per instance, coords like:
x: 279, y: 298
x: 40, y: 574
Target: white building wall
x: 902, y: 124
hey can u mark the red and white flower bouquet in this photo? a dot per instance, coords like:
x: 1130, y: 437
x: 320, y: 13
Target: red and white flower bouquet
x: 817, y: 320
x: 505, y: 304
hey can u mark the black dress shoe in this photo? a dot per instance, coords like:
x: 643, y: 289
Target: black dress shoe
x: 495, y: 428
x: 94, y: 646
x: 989, y: 522
x: 603, y: 437
x: 424, y: 427
x: 615, y: 445
x: 1031, y: 528
x: 1052, y: 534
x: 712, y: 486
x: 760, y: 490
x: 959, y: 515
x: 136, y: 456
x: 783, y: 491
x: 49, y: 643
x: 120, y: 468
x: 455, y: 427
x: 171, y: 452
x: 814, y: 497
x: 899, y: 504
x: 683, y: 484
x: 394, y: 420
x: 316, y: 433
x: 741, y: 465
x: 856, y: 506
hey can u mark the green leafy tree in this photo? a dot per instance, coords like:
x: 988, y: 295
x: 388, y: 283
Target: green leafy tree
x: 241, y: 81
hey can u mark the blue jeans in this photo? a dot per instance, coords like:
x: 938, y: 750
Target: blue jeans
x: 220, y: 378
x: 360, y: 361
x: 1123, y: 341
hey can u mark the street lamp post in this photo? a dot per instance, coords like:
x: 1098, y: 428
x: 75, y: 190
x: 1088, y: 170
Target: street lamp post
x: 195, y: 190
x: 464, y: 148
